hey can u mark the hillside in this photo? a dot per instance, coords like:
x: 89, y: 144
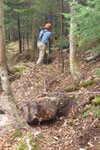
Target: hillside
x: 79, y: 129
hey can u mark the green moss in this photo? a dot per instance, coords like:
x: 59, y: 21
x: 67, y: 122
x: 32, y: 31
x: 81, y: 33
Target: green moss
x: 67, y: 72
x: 23, y: 145
x: 87, y: 111
x: 91, y: 110
x: 18, y: 69
x: 85, y: 84
x: 96, y: 101
x: 51, y: 69
x: 10, y: 46
x: 30, y: 141
x: 98, y: 72
x: 97, y: 111
x: 70, y: 124
x: 71, y: 89
x: 18, y: 133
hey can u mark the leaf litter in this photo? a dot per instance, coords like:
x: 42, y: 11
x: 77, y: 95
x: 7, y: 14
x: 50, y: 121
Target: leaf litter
x: 71, y: 132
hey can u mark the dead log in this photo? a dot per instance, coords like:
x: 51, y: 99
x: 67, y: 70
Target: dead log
x: 92, y: 57
x: 49, y: 108
x: 37, y: 112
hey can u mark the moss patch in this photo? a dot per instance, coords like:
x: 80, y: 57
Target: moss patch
x: 17, y: 134
x: 18, y: 69
x: 51, y: 69
x: 71, y: 89
x: 67, y: 72
x: 96, y: 101
x: 30, y: 142
x: 91, y: 111
x: 84, y: 84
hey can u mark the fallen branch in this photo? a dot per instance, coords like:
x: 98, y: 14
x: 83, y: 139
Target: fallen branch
x: 92, y: 57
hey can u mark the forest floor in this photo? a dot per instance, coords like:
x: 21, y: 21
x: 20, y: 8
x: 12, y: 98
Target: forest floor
x: 80, y: 128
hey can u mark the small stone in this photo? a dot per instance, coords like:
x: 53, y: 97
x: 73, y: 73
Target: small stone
x: 56, y: 138
x: 37, y: 133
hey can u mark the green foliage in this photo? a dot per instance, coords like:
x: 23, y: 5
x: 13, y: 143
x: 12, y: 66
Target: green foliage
x: 23, y: 145
x: 51, y: 69
x: 17, y: 134
x: 96, y: 101
x: 70, y: 124
x: 85, y: 84
x: 97, y: 111
x: 67, y: 72
x: 27, y: 11
x: 87, y: 111
x: 71, y: 89
x: 91, y: 111
x: 87, y: 19
x: 10, y: 46
x: 18, y: 69
x: 62, y: 43
x: 98, y: 71
x: 30, y: 142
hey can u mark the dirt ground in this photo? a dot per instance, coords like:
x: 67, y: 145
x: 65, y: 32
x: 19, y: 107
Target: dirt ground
x: 69, y: 132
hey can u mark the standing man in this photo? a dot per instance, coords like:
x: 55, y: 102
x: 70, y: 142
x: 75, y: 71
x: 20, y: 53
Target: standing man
x: 43, y: 43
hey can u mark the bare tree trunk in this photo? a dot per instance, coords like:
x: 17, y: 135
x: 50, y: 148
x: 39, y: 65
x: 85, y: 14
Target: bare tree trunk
x: 62, y: 58
x: 34, y: 41
x: 74, y: 68
x: 19, y: 35
x: 62, y: 17
x: 8, y: 101
x: 27, y: 36
x: 23, y: 35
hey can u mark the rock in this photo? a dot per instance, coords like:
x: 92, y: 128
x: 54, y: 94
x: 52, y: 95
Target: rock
x: 30, y: 143
x: 26, y: 144
x: 38, y: 134
x: 48, y: 109
x: 37, y: 112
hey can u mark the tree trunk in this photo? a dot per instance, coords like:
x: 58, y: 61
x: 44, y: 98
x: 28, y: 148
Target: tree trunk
x: 51, y: 20
x: 23, y: 35
x: 19, y: 35
x: 34, y: 41
x: 27, y: 36
x: 8, y: 100
x: 74, y: 68
x: 62, y: 17
x: 62, y: 58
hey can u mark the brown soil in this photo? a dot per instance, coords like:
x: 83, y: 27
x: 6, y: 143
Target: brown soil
x: 70, y: 132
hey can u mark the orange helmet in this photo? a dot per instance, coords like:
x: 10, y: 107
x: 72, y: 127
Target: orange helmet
x: 47, y: 26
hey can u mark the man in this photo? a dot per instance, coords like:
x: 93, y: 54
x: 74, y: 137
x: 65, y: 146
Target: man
x: 43, y: 43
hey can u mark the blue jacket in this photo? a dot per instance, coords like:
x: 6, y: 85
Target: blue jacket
x: 45, y: 36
